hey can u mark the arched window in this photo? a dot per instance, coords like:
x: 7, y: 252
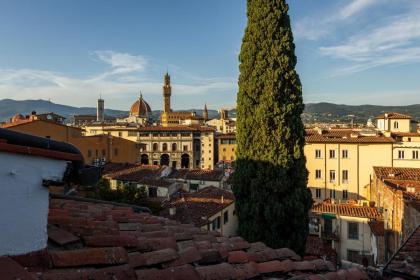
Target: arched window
x: 173, y: 147
x: 165, y: 147
x: 395, y: 124
x: 155, y: 147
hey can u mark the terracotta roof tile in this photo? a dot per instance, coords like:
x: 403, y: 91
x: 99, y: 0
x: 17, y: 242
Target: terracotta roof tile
x: 347, y: 210
x: 197, y: 207
x: 397, y: 173
x: 90, y: 256
x: 393, y: 115
x: 198, y: 254
x: 406, y: 261
x: 9, y: 269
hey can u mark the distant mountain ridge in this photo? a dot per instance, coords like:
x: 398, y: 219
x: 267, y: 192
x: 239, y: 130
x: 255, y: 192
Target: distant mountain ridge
x: 314, y: 112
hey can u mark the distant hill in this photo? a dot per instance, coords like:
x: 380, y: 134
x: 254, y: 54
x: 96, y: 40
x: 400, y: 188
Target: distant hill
x: 314, y: 112
x: 10, y: 107
x: 330, y: 112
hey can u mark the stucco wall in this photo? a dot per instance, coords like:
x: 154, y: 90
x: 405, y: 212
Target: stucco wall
x: 24, y: 201
x: 363, y: 243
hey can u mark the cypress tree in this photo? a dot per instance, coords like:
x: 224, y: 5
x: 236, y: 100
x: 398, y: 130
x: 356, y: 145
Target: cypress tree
x: 270, y: 178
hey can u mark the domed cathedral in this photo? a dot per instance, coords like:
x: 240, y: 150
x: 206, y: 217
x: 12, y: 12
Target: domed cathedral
x: 171, y: 118
x: 140, y: 112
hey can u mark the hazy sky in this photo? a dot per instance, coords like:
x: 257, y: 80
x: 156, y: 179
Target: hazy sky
x: 349, y: 51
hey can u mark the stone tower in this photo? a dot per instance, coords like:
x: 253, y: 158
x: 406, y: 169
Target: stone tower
x: 100, y: 110
x: 205, y: 113
x: 167, y: 93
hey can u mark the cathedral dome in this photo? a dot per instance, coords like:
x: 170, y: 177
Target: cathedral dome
x: 140, y: 108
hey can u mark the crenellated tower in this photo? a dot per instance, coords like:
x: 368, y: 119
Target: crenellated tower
x: 167, y: 93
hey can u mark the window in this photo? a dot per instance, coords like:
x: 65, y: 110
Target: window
x: 215, y: 225
x: 352, y: 230
x: 401, y: 154
x: 332, y: 193
x: 332, y: 176
x: 396, y: 124
x: 318, y: 193
x: 345, y: 194
x: 318, y: 174
x: 119, y: 134
x: 132, y: 133
x: 96, y: 153
x: 345, y: 154
x: 225, y: 217
x: 103, y: 152
x: 332, y: 153
x: 89, y: 153
x: 317, y: 153
x: 116, y: 152
x: 345, y: 178
x: 224, y: 149
x: 185, y: 148
x: 415, y: 154
x: 193, y: 187
x: 233, y: 149
x: 165, y: 147
x: 173, y: 147
x: 155, y: 147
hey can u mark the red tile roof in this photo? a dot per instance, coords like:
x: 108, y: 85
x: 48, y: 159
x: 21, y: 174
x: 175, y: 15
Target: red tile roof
x: 393, y: 115
x: 197, y: 174
x: 204, y: 175
x: 406, y: 134
x: 103, y: 241
x: 406, y: 261
x: 197, y: 207
x: 398, y: 173
x: 344, y: 135
x: 347, y: 210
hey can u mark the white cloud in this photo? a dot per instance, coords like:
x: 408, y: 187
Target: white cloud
x: 122, y: 62
x: 119, y: 86
x: 395, y: 42
x: 318, y: 26
x: 355, y: 7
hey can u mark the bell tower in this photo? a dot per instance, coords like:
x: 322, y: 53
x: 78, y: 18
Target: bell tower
x: 167, y: 93
x: 205, y: 113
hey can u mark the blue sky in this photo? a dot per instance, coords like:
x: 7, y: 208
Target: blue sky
x: 349, y: 51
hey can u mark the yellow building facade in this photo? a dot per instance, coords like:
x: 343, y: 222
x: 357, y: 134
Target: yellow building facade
x: 340, y: 163
x: 175, y: 146
x: 96, y: 149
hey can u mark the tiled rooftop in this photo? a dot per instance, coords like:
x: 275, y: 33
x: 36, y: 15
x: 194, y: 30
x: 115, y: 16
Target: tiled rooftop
x: 393, y: 115
x: 349, y: 210
x: 197, y: 207
x: 397, y: 173
x: 102, y: 241
x: 136, y: 173
x: 321, y: 138
x: 406, y: 262
x: 197, y: 174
